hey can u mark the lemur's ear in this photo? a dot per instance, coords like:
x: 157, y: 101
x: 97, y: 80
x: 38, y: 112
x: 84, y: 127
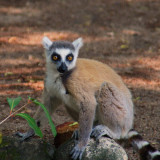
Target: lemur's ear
x: 78, y: 43
x: 46, y: 42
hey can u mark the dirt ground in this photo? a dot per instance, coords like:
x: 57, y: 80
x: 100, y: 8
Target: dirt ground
x: 124, y: 34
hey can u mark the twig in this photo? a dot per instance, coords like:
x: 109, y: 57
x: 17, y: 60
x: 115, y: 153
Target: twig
x: 13, y: 113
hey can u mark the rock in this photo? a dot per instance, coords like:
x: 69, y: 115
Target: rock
x: 105, y: 149
x: 12, y: 148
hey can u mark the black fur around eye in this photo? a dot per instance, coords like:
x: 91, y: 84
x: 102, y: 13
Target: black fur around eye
x: 55, y: 57
x: 70, y: 57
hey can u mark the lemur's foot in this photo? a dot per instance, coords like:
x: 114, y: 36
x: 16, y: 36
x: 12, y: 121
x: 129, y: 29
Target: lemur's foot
x: 100, y: 131
x: 24, y: 136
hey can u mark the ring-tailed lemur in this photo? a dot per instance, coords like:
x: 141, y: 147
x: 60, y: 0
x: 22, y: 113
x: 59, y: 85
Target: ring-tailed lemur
x: 93, y: 94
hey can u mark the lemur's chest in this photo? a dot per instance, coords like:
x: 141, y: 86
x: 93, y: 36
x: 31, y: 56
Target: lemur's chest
x: 56, y: 88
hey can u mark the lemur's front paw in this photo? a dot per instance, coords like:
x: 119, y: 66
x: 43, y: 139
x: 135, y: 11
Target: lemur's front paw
x: 77, y: 152
x: 24, y: 136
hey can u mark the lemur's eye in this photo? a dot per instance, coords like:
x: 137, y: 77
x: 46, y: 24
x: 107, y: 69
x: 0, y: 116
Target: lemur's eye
x: 55, y: 58
x: 70, y: 57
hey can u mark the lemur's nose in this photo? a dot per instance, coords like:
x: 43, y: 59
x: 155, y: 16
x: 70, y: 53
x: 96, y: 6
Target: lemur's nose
x: 63, y: 68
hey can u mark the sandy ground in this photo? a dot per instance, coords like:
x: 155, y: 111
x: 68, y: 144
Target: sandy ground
x: 123, y: 34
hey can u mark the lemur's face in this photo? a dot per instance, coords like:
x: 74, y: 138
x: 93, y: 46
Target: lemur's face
x: 63, y: 58
x: 62, y: 55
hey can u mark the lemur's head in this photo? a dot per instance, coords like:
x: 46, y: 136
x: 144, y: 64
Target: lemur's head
x: 62, y: 55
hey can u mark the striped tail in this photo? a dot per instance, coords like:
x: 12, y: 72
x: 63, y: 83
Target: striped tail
x: 146, y: 151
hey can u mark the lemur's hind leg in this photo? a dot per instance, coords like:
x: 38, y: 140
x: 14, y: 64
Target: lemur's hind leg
x: 26, y: 135
x: 40, y: 115
x: 97, y: 132
x: 40, y: 118
x: 51, y: 103
x: 113, y: 116
x: 102, y: 130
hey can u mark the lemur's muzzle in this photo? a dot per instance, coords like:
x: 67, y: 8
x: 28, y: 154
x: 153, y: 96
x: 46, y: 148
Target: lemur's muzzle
x: 63, y: 68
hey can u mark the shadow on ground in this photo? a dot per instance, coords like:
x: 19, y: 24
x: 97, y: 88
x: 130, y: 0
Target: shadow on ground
x: 124, y: 34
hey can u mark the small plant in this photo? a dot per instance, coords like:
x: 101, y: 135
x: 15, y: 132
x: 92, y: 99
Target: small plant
x: 13, y: 102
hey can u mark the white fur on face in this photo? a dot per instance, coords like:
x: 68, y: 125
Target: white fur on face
x: 63, y: 52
